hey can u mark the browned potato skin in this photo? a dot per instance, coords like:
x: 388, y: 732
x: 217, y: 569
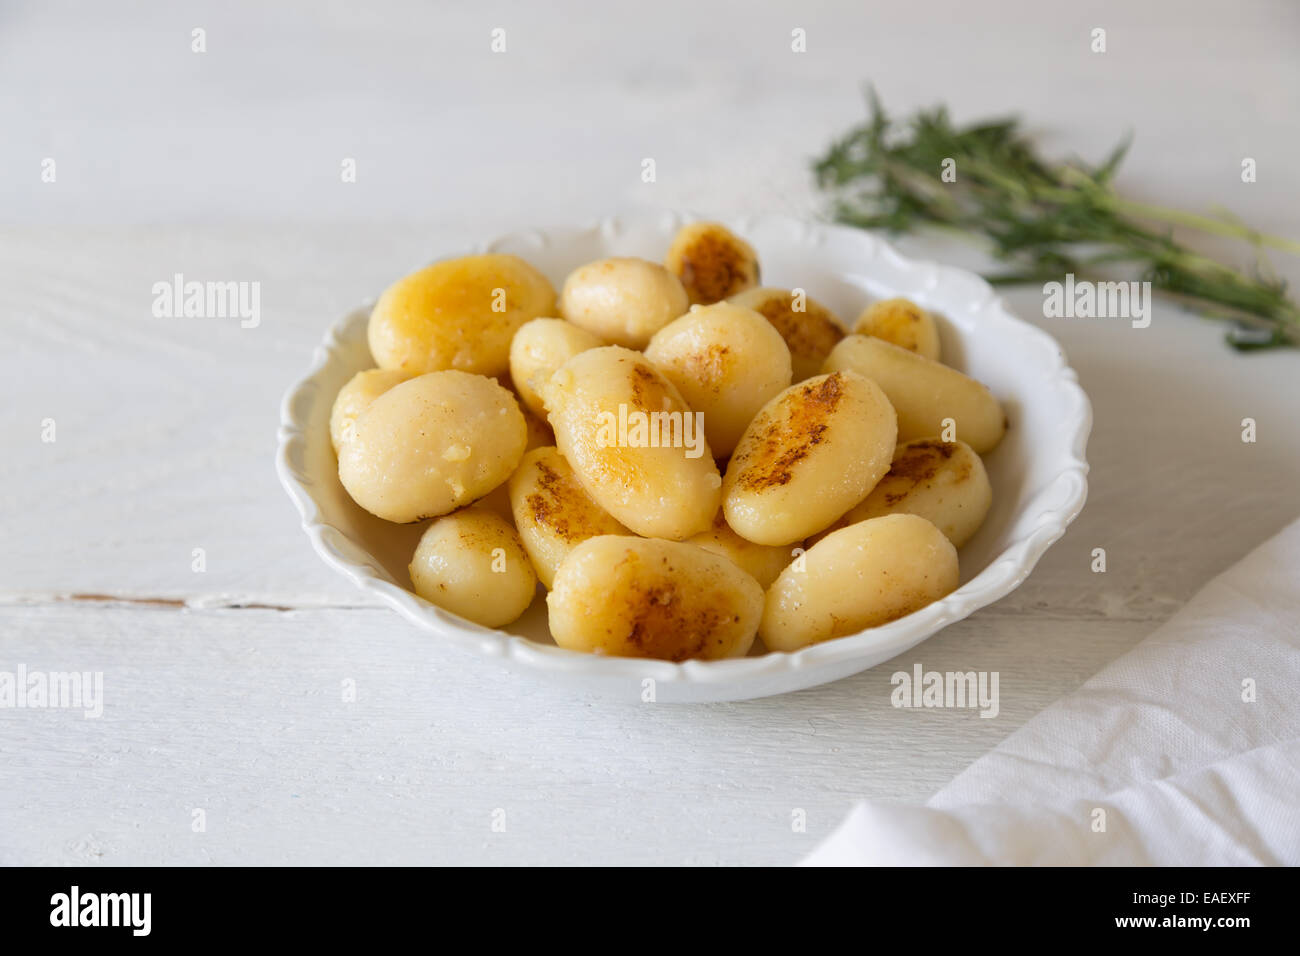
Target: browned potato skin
x: 712, y: 262
x: 553, y: 512
x: 813, y: 452
x: 441, y: 317
x: 810, y: 335
x: 943, y: 482
x: 646, y: 597
x: 903, y: 323
x: 657, y: 492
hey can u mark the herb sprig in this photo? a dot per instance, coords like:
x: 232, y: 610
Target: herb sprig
x: 1047, y: 219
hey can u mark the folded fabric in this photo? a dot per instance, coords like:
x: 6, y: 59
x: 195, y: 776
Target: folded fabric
x: 1185, y: 751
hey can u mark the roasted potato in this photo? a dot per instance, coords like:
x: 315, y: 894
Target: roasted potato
x: 640, y: 597
x: 809, y: 328
x: 553, y: 512
x: 432, y: 444
x: 943, y: 482
x: 728, y: 362
x: 355, y: 397
x: 538, y: 349
x: 634, y: 443
x: 472, y: 563
x: 458, y: 314
x: 762, y: 562
x: 902, y: 322
x: 924, y: 393
x: 712, y: 262
x: 812, y: 453
x: 621, y: 300
x: 862, y: 576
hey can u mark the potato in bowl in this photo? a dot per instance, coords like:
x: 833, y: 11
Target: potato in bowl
x: 1035, y: 472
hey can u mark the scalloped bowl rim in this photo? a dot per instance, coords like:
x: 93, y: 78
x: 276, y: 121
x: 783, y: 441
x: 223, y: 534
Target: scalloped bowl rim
x: 1002, y: 575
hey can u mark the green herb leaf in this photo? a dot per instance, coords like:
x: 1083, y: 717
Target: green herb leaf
x: 1046, y: 219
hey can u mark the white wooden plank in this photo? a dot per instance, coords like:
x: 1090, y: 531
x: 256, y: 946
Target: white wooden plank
x: 240, y: 713
x: 165, y: 427
x: 255, y: 128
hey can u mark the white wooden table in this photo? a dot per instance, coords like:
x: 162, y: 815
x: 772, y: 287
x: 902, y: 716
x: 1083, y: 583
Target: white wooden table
x: 223, y: 687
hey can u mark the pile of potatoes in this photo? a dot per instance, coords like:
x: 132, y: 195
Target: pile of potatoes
x: 831, y: 481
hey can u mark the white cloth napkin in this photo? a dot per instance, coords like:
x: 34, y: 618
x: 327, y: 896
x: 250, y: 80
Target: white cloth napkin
x: 1182, y: 768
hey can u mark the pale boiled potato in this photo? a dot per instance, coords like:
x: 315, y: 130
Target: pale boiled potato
x: 810, y: 455
x: 902, y: 322
x: 432, y: 444
x: 472, y: 563
x: 461, y: 314
x: 355, y: 397
x: 809, y: 328
x: 762, y: 562
x: 861, y: 576
x: 924, y: 393
x: 712, y: 261
x: 538, y: 349
x: 553, y: 512
x: 943, y: 482
x: 622, y: 300
x: 633, y: 442
x: 727, y: 361
x: 640, y: 597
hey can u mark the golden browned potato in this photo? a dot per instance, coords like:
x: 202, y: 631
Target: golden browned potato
x: 553, y: 512
x: 458, y: 314
x: 472, y: 563
x: 432, y: 444
x: 902, y: 322
x: 538, y: 349
x: 861, y: 576
x: 809, y: 328
x: 712, y: 262
x: 727, y: 361
x: 356, y: 396
x: 762, y: 562
x: 943, y: 482
x: 640, y: 597
x: 622, y: 300
x: 924, y: 393
x: 812, y: 453
x: 634, y: 443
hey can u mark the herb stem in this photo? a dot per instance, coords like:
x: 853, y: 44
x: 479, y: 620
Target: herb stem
x: 1046, y: 219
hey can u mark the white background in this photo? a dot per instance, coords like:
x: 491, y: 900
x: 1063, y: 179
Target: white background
x: 223, y: 688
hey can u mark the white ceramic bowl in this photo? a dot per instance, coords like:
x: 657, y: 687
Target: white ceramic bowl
x: 1039, y: 473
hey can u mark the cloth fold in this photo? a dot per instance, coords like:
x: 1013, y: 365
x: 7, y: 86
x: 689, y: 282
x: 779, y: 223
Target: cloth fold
x: 1185, y: 751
